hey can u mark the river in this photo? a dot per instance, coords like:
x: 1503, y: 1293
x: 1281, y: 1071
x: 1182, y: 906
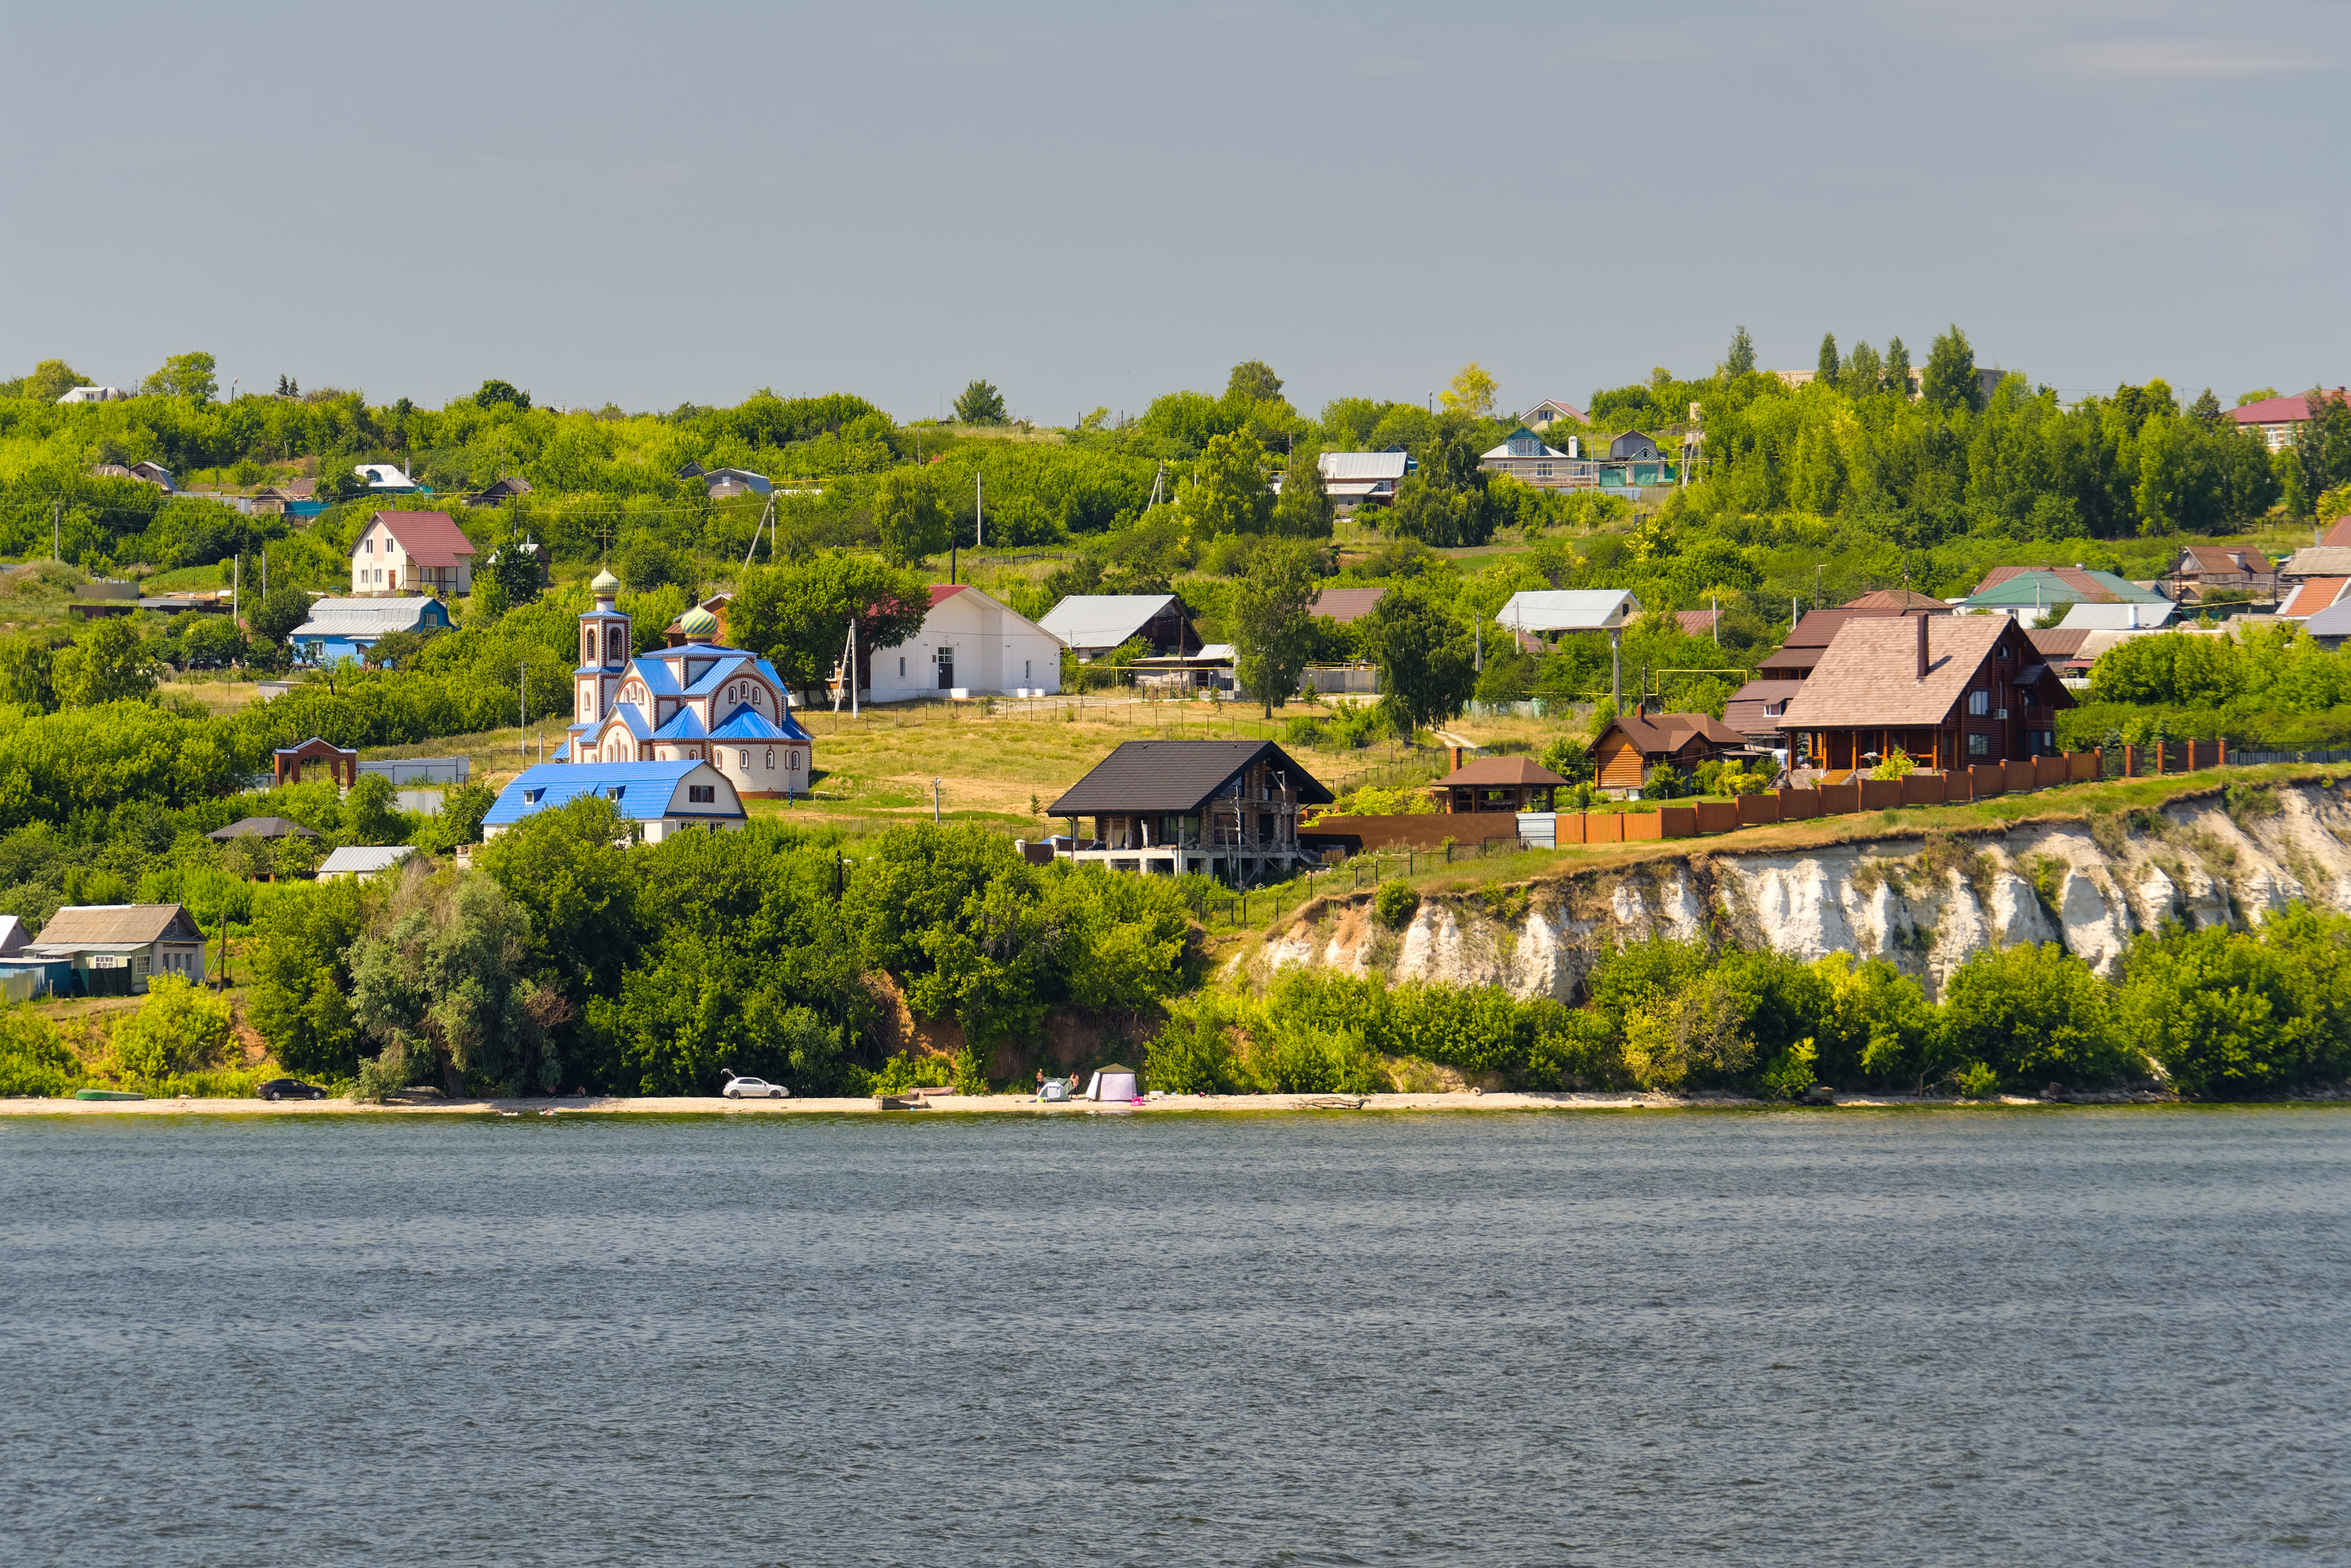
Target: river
x: 2043, y: 1337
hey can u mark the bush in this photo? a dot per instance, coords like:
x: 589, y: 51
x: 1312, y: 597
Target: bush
x: 33, y: 1062
x: 176, y: 1029
x: 1193, y: 1056
x: 1898, y: 766
x: 2032, y: 1014
x: 1395, y: 903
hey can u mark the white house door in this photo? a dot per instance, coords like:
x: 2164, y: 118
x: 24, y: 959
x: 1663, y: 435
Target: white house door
x: 946, y: 668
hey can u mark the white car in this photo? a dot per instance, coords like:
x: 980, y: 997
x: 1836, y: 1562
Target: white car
x: 754, y: 1089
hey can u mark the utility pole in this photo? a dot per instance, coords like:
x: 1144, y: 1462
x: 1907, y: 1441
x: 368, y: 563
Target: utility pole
x: 935, y: 803
x: 1716, y: 599
x: 236, y: 588
x: 57, y: 530
x: 522, y: 709
x: 978, y: 513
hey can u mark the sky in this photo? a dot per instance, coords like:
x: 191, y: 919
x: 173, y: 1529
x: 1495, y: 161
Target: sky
x: 1090, y: 205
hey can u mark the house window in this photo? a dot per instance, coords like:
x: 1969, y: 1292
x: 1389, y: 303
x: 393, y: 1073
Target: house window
x: 139, y: 967
x: 1978, y: 703
x: 1025, y: 674
x: 1542, y: 470
x: 1978, y: 746
x: 702, y: 794
x: 771, y: 760
x: 902, y: 667
x: 2024, y: 699
x: 743, y: 762
x: 795, y: 761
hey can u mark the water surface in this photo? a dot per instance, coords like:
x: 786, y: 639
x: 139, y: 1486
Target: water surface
x: 2065, y: 1336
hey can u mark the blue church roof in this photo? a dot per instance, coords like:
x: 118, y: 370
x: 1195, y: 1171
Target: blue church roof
x: 645, y: 790
x: 748, y: 723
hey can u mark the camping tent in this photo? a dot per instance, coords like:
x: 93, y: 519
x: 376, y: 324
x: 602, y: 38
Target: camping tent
x: 1113, y: 1082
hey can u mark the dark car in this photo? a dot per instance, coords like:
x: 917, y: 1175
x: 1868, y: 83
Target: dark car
x: 290, y: 1088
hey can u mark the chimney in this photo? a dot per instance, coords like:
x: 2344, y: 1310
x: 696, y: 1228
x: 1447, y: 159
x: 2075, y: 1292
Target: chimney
x: 1921, y: 619
x: 1457, y: 758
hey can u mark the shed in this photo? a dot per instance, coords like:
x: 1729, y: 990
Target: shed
x: 1637, y: 742
x: 116, y: 948
x: 363, y: 860
x: 345, y: 629
x: 1095, y: 623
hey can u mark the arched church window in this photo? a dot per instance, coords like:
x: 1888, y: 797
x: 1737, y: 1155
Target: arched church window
x: 771, y: 760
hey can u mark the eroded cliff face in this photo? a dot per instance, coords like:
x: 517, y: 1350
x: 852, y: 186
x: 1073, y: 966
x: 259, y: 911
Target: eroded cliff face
x: 1925, y: 905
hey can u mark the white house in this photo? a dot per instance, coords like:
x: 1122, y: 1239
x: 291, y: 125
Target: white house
x: 664, y: 799
x: 385, y: 477
x: 1550, y: 412
x: 421, y: 552
x: 95, y: 394
x: 969, y: 645
x: 697, y: 702
x: 1524, y: 456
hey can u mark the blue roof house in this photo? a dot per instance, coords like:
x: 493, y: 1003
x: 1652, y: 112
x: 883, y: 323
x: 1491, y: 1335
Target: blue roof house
x: 347, y: 628
x: 664, y: 799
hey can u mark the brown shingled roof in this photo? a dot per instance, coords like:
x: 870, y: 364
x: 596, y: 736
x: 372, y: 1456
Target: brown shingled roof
x: 1870, y: 676
x: 1897, y: 599
x: 1662, y: 734
x: 428, y: 539
x: 1502, y: 770
x: 1345, y: 604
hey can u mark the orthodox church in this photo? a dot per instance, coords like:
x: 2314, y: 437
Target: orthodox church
x: 696, y: 702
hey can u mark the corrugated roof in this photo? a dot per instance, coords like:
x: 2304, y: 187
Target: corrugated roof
x: 364, y: 617
x: 360, y: 859
x: 2220, y: 558
x: 428, y: 539
x: 1361, y: 464
x: 2117, y: 617
x: 1172, y: 776
x: 2291, y: 410
x: 647, y: 788
x: 2319, y: 560
x: 117, y: 924
x: 941, y: 591
x: 1345, y: 604
x: 1698, y: 622
x: 1568, y: 609
x: 2314, y: 596
x: 2008, y: 586
x: 1870, y: 676
x: 1103, y: 620
x: 749, y: 724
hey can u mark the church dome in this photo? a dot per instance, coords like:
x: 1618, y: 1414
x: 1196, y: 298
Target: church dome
x: 699, y: 624
x: 605, y: 582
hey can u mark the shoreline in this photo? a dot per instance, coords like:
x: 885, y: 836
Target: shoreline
x: 1003, y: 1104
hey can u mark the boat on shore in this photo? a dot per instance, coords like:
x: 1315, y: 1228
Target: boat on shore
x: 107, y: 1094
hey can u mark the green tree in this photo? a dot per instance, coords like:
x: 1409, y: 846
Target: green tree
x: 1738, y: 359
x: 1829, y: 366
x: 184, y: 375
x: 2032, y: 1014
x: 298, y: 977
x: 1470, y: 393
x: 1427, y: 656
x: 51, y: 379
x: 907, y: 515
x: 515, y: 567
x: 459, y: 821
x: 107, y: 663
x: 1253, y: 381
x: 369, y: 813
x: 954, y: 915
x: 1273, y: 619
x: 501, y: 395
x: 980, y: 403
x: 798, y: 615
x: 441, y: 983
x: 273, y: 619
x: 1951, y: 382
x: 1228, y: 494
x: 1897, y: 366
x: 2321, y: 447
x: 1303, y: 509
x: 568, y: 873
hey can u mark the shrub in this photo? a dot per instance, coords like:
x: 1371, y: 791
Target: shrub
x: 1897, y: 766
x: 1192, y: 1056
x: 33, y: 1062
x: 177, y: 1029
x: 1791, y: 1072
x: 1395, y: 903
x: 2033, y: 1013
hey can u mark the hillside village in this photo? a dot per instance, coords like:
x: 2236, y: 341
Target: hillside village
x: 791, y: 738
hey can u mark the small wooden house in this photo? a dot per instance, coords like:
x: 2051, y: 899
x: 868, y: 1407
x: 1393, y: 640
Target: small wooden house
x: 1638, y: 742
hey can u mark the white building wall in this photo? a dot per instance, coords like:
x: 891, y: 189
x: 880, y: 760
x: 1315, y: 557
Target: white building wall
x: 996, y: 651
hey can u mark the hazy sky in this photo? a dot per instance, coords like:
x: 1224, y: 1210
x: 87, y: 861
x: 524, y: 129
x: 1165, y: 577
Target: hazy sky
x: 1091, y: 205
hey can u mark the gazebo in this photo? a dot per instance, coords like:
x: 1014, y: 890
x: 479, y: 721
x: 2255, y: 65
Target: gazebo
x: 1496, y: 784
x: 342, y: 767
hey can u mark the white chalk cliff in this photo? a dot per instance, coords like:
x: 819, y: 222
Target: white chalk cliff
x: 1925, y: 905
